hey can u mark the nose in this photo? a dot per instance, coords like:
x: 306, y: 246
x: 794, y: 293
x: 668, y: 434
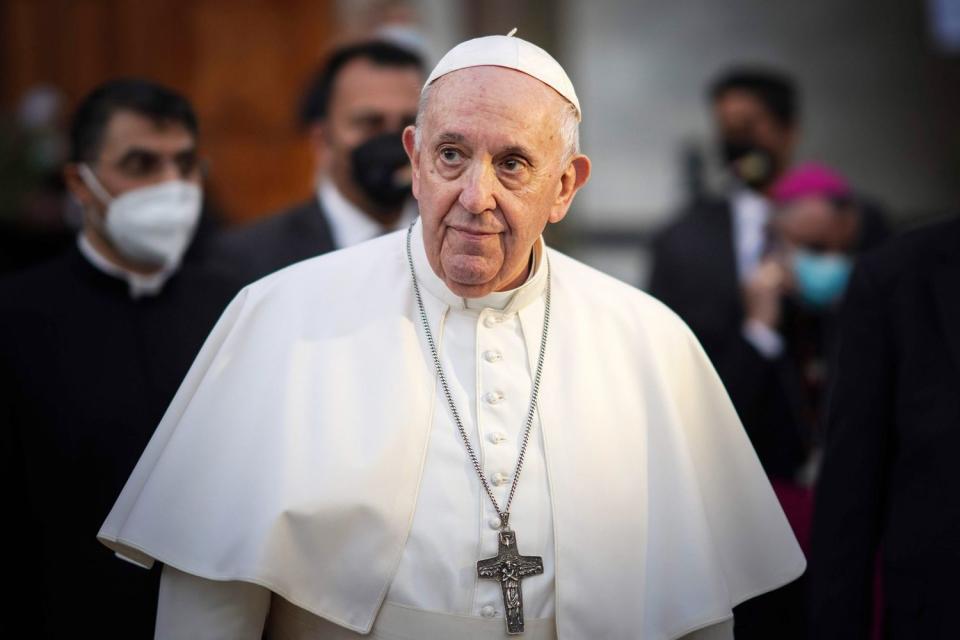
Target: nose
x: 479, y: 183
x: 170, y: 171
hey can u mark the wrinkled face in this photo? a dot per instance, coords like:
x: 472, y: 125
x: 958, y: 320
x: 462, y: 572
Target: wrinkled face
x: 489, y: 174
x: 817, y: 224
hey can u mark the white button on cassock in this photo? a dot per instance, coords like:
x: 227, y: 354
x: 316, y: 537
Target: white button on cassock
x: 492, y: 320
x: 494, y: 523
x: 488, y: 611
x: 493, y: 397
x: 492, y: 355
x: 498, y: 437
x: 500, y: 478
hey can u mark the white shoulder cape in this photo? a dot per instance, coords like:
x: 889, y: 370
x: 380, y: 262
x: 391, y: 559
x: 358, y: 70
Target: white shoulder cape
x: 291, y: 454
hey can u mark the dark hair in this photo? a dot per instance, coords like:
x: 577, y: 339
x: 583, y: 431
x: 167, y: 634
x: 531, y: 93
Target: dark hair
x: 160, y: 104
x: 316, y: 100
x: 776, y: 90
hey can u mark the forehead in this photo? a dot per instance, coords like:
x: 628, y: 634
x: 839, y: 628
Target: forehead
x: 494, y: 104
x: 737, y: 105
x: 127, y: 129
x: 362, y: 83
x: 806, y: 218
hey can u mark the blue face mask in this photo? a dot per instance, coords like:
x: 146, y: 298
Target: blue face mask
x: 821, y: 278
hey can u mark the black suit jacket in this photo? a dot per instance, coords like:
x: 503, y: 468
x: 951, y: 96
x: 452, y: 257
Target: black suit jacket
x: 890, y: 473
x: 695, y: 274
x: 257, y: 249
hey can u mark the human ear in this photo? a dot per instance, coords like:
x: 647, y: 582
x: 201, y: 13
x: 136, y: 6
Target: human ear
x: 77, y: 187
x: 317, y: 134
x: 571, y: 180
x: 409, y: 145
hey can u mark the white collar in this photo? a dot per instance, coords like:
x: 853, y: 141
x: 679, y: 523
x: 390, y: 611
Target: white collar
x: 506, y: 301
x: 140, y: 284
x: 348, y: 224
x: 751, y: 203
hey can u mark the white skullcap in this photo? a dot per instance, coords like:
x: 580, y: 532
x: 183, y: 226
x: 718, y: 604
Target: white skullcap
x: 512, y: 53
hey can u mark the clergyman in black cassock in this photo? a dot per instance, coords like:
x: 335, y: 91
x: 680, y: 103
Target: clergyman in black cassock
x: 86, y: 372
x: 93, y: 346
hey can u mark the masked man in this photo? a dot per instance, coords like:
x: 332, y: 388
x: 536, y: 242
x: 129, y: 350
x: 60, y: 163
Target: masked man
x: 354, y: 430
x: 358, y: 104
x: 705, y: 263
x: 92, y: 348
x: 817, y: 228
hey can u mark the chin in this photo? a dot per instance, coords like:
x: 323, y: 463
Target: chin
x: 469, y: 289
x: 474, y: 292
x: 471, y: 274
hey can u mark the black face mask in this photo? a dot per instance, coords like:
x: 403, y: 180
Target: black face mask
x: 753, y: 165
x: 378, y: 170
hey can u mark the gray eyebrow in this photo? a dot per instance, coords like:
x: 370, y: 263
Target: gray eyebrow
x: 450, y: 136
x: 459, y: 138
x: 517, y: 150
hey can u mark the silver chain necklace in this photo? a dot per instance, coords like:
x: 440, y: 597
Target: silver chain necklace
x: 508, y: 566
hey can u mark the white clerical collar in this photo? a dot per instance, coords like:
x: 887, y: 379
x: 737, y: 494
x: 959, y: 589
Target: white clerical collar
x: 751, y: 213
x: 140, y: 284
x: 747, y: 199
x: 348, y: 224
x: 506, y: 301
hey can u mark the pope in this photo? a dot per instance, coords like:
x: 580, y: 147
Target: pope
x: 454, y: 430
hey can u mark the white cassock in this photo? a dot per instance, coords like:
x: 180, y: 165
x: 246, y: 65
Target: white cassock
x: 308, y: 470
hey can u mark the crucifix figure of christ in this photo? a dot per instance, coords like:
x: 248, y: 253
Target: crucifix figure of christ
x: 508, y: 566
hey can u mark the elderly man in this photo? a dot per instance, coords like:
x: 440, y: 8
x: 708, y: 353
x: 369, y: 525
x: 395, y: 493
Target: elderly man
x: 345, y: 456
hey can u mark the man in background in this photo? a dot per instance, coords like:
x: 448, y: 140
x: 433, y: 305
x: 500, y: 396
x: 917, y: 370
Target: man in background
x: 707, y: 262
x: 93, y: 346
x: 706, y: 267
x: 820, y: 227
x: 354, y: 112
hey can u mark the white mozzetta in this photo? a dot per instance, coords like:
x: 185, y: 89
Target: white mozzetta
x: 294, y: 453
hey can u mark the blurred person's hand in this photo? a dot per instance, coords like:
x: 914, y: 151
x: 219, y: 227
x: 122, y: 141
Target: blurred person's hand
x: 763, y: 291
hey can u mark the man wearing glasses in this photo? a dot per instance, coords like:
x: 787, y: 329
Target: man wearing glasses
x: 93, y: 346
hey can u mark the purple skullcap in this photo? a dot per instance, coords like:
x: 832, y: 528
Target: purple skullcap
x: 810, y: 179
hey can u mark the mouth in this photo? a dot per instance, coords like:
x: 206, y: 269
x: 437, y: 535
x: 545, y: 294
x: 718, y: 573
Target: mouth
x: 474, y: 234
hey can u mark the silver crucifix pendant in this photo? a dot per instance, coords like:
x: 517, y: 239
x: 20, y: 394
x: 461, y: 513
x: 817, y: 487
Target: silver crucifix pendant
x: 509, y: 567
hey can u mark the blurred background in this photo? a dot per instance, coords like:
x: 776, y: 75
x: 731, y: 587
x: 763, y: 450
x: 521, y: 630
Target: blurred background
x: 879, y: 82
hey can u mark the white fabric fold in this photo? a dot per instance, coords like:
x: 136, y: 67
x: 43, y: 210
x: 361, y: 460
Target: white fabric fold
x: 291, y: 455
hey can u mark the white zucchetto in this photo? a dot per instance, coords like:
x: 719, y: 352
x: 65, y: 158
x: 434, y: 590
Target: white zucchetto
x: 510, y: 52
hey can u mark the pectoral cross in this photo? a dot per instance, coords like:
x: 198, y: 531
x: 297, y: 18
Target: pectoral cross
x: 509, y: 567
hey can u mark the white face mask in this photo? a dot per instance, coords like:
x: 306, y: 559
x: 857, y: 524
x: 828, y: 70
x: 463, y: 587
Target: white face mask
x: 151, y: 225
